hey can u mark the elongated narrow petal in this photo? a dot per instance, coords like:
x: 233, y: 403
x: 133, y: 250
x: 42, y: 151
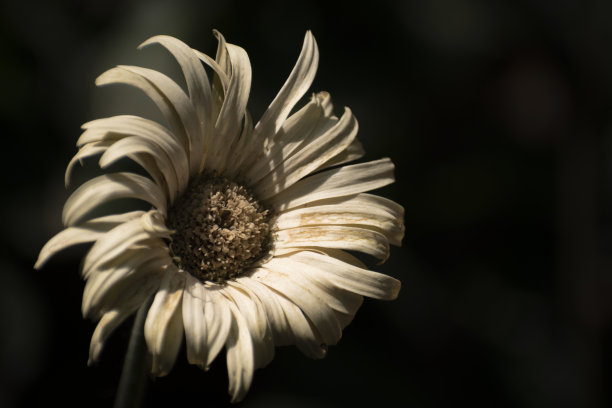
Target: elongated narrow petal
x: 346, y: 276
x: 163, y: 328
x: 89, y: 150
x: 89, y: 231
x: 240, y: 356
x: 365, y: 210
x: 295, y: 87
x: 161, y: 162
x: 320, y: 313
x: 135, y: 270
x: 316, y: 151
x: 275, y: 315
x: 169, y: 98
x: 102, y: 189
x: 335, y: 236
x: 112, y: 244
x: 111, y: 320
x: 253, y: 311
x: 194, y: 322
x: 218, y: 318
x: 334, y: 183
x: 292, y: 134
x: 231, y: 116
x: 110, y: 130
x: 354, y: 152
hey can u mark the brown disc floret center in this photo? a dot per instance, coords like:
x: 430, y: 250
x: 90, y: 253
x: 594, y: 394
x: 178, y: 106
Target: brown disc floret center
x: 221, y: 230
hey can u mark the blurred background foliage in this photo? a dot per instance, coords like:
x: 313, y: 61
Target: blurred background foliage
x: 498, y: 117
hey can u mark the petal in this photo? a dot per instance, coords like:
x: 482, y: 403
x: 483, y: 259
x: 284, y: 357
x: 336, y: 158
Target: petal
x: 305, y: 335
x: 281, y: 330
x: 163, y: 328
x: 354, y: 152
x: 231, y: 116
x: 318, y: 312
x: 88, y: 231
x: 171, y: 101
x: 194, y: 322
x: 240, y: 356
x: 107, y: 187
x: 161, y: 163
x: 112, y: 319
x: 348, y: 277
x: 311, y: 277
x: 116, y: 127
x: 105, y: 327
x: 253, y: 311
x: 112, y: 244
x: 107, y: 288
x: 365, y: 210
x: 295, y: 87
x: 197, y: 84
x: 218, y: 322
x: 343, y: 181
x: 90, y: 149
x: 335, y: 236
x: 290, y: 136
x: 315, y: 151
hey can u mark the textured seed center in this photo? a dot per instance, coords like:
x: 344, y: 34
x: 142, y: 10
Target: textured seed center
x: 221, y: 230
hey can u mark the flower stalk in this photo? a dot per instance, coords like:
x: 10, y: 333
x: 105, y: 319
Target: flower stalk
x: 136, y: 365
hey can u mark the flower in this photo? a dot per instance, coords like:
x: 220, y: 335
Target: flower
x: 245, y: 246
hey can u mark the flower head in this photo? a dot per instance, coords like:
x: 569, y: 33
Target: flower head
x: 245, y: 246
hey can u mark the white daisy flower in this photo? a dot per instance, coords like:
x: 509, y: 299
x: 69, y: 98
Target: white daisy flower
x: 245, y: 246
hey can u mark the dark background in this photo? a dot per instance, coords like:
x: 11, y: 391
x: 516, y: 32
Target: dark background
x: 498, y: 117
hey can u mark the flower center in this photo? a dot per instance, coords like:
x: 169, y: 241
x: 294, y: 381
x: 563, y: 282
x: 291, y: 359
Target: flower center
x: 221, y: 230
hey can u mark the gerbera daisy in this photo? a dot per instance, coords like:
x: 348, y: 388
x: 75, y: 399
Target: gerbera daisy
x: 247, y: 244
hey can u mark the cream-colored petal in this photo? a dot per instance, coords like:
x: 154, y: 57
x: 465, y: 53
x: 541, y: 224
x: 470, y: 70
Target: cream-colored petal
x: 348, y: 277
x: 117, y: 127
x: 242, y: 147
x: 240, y: 356
x: 112, y: 319
x: 220, y: 88
x: 335, y: 236
x: 112, y: 244
x: 306, y: 336
x: 163, y: 329
x: 108, y: 287
x: 295, y: 87
x: 316, y: 150
x: 105, y: 327
x: 194, y: 322
x: 326, y: 103
x: 343, y: 181
x: 161, y: 163
x: 280, y: 327
x: 365, y: 210
x: 89, y: 150
x: 354, y: 152
x: 195, y: 77
x: 311, y: 276
x: 220, y: 75
x: 88, y: 231
x: 254, y: 313
x: 198, y: 85
x: 171, y: 101
x: 107, y: 187
x: 231, y: 116
x: 319, y: 313
x: 292, y: 134
x: 218, y: 320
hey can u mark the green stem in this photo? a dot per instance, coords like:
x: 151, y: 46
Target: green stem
x: 135, y: 367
